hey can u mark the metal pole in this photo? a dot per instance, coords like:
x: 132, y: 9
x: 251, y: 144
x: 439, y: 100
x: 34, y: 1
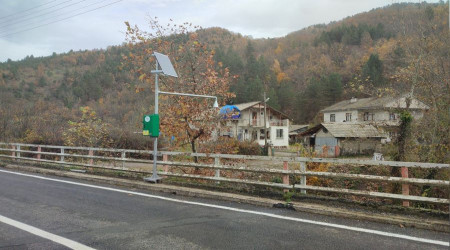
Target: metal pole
x: 265, y: 125
x: 155, y: 176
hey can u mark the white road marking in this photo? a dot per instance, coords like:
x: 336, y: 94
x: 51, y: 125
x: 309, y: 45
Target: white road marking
x: 36, y: 231
x: 357, y: 229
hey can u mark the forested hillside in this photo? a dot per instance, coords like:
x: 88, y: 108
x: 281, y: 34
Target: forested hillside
x: 392, y: 50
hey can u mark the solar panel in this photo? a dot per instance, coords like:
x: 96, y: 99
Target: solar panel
x: 165, y: 64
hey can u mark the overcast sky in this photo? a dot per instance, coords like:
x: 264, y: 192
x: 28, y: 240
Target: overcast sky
x: 104, y: 26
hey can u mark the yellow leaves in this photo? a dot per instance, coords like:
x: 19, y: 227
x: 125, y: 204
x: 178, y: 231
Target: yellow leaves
x: 88, y: 131
x: 279, y: 49
x: 281, y: 76
x: 31, y: 136
x: 276, y: 66
x: 141, y: 77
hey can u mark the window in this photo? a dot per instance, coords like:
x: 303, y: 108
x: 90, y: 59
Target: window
x: 254, y: 135
x: 240, y: 135
x: 392, y: 117
x: 332, y: 117
x: 392, y: 135
x: 254, y: 118
x: 348, y: 117
x: 279, y: 133
x: 368, y: 116
x: 261, y: 134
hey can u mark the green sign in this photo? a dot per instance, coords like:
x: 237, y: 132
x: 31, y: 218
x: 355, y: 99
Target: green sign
x: 150, y: 125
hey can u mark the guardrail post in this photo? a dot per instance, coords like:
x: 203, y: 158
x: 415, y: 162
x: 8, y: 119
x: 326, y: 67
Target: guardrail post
x: 38, y: 156
x: 217, y: 163
x: 18, y: 151
x: 123, y: 156
x: 13, y: 153
x: 405, y: 186
x: 285, y: 176
x: 303, y: 177
x: 62, y: 155
x: 166, y: 167
x: 91, y: 153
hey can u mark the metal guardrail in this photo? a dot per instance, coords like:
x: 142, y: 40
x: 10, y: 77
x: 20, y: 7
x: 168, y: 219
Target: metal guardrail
x: 17, y: 150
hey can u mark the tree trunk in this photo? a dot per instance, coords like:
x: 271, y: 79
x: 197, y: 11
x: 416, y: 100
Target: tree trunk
x: 405, y: 131
x: 194, y: 150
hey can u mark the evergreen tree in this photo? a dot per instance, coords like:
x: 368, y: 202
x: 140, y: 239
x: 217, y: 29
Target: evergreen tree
x: 373, y: 69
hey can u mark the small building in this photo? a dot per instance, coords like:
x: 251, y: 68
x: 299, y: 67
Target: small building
x: 249, y: 124
x: 333, y: 139
x: 295, y: 130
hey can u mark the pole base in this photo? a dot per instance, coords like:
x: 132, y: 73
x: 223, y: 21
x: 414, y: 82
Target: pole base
x: 153, y: 179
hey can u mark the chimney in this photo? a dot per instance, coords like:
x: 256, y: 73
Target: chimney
x: 353, y: 100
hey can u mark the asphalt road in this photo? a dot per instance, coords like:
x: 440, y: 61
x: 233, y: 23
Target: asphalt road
x: 117, y: 218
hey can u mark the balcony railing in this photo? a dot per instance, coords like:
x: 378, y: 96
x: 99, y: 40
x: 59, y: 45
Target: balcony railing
x: 260, y: 122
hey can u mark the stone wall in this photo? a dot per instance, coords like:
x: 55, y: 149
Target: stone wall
x: 360, y: 146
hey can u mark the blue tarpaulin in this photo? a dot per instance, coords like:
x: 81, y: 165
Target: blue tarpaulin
x: 230, y: 112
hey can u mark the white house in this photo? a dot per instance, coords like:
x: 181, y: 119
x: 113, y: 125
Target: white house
x: 372, y: 110
x: 380, y: 112
x: 360, y: 126
x: 249, y: 125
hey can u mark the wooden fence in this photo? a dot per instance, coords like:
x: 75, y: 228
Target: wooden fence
x: 121, y: 159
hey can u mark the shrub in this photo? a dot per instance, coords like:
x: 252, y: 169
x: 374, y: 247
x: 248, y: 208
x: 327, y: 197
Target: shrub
x: 223, y: 145
x: 249, y: 148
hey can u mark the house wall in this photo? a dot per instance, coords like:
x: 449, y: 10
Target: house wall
x: 359, y: 146
x: 325, y: 144
x: 247, y: 118
x: 379, y: 115
x: 416, y: 108
x: 340, y: 116
x: 279, y: 142
x: 401, y: 103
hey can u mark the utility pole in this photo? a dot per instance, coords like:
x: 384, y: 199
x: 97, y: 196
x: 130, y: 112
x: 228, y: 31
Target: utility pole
x: 265, y: 125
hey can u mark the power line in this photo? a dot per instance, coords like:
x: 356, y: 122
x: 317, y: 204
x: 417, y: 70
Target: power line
x: 32, y: 8
x: 34, y: 13
x: 60, y: 19
x: 20, y: 21
x: 62, y: 14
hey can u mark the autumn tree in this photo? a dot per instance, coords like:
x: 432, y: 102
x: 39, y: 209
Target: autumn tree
x: 188, y: 119
x: 88, y: 131
x: 427, y: 76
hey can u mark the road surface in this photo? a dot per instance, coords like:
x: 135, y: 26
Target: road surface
x: 46, y: 212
